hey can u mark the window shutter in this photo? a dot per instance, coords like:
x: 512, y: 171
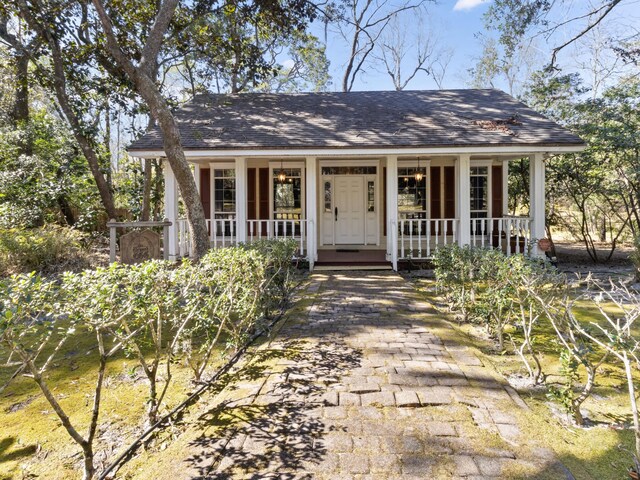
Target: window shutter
x: 450, y: 192
x: 251, y: 194
x: 205, y: 191
x: 263, y: 187
x: 496, y: 191
x: 436, y: 203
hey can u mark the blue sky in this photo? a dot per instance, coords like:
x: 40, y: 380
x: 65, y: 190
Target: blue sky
x: 457, y: 27
x: 458, y: 22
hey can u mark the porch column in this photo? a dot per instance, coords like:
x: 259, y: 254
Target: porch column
x: 463, y: 203
x: 196, y: 176
x: 311, y: 164
x: 536, y: 202
x: 392, y: 210
x: 241, y: 200
x: 171, y: 210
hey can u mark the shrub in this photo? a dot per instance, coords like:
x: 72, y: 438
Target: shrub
x: 38, y: 249
x: 457, y: 272
x: 153, y: 311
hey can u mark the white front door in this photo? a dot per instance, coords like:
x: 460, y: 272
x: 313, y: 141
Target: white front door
x: 349, y: 214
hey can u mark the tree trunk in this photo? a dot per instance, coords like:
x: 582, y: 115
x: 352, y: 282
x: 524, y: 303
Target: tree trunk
x: 20, y: 111
x: 178, y: 162
x: 60, y: 87
x: 66, y: 210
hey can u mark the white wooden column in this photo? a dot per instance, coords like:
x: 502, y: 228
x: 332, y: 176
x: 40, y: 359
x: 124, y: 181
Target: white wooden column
x: 196, y: 176
x: 392, y: 210
x: 311, y: 164
x: 536, y: 202
x: 171, y: 210
x: 241, y: 199
x: 463, y: 200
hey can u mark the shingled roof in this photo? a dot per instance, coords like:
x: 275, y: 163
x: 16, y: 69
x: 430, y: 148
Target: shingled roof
x: 429, y: 118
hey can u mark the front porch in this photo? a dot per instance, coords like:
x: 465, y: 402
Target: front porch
x: 405, y: 206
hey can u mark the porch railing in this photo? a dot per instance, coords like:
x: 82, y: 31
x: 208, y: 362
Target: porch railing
x: 509, y: 234
x: 418, y: 238
x: 279, y: 229
x: 223, y: 232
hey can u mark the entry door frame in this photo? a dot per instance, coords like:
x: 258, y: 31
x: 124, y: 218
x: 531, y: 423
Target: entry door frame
x: 370, y: 162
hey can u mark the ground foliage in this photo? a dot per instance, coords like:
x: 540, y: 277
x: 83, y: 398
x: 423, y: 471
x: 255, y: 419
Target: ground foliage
x: 155, y: 313
x: 523, y: 298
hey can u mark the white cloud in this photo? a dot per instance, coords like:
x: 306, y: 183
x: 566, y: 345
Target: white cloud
x: 468, y: 4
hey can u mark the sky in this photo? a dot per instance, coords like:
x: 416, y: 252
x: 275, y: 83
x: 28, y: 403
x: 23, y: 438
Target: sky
x: 458, y: 24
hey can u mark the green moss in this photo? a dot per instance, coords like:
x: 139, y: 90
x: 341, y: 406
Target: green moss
x: 600, y: 451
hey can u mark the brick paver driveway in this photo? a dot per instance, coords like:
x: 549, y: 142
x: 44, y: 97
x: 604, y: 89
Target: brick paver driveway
x: 370, y: 384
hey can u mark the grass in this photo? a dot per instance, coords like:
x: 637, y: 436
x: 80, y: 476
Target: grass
x: 604, y: 448
x: 32, y: 439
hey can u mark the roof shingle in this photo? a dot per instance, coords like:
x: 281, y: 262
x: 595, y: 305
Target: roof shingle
x: 429, y: 118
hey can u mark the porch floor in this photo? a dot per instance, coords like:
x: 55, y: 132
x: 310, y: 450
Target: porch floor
x: 352, y: 257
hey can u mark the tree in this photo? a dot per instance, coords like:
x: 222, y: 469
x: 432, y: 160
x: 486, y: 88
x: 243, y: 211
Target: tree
x: 64, y: 66
x: 515, y: 19
x: 361, y: 25
x: 514, y: 67
x: 237, y: 46
x: 23, y: 49
x: 403, y: 58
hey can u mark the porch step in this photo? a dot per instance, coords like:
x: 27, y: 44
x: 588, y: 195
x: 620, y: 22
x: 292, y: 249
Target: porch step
x: 342, y: 267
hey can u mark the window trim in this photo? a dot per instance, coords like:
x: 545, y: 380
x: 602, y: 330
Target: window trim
x: 212, y: 176
x: 488, y: 164
x: 426, y: 164
x: 274, y: 165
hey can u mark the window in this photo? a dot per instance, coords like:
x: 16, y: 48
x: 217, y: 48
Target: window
x: 371, y: 199
x: 224, y: 197
x: 327, y: 197
x: 479, y: 192
x: 348, y: 170
x: 287, y: 195
x: 412, y: 195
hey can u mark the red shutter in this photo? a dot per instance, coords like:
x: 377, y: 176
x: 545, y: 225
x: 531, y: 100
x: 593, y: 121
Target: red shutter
x: 205, y: 191
x: 449, y: 192
x: 263, y: 187
x: 496, y: 192
x: 436, y: 203
x: 251, y: 194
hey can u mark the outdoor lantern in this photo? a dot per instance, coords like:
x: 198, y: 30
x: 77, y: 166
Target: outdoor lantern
x: 418, y: 176
x: 282, y: 176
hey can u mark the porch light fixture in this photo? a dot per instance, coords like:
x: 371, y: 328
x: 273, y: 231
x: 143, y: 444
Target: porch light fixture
x: 418, y: 176
x: 282, y: 176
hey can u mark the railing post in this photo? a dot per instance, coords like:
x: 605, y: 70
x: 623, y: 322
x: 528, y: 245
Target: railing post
x: 536, y: 202
x: 165, y: 239
x: 171, y: 210
x: 112, y: 242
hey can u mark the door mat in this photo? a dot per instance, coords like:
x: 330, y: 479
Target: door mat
x: 346, y: 250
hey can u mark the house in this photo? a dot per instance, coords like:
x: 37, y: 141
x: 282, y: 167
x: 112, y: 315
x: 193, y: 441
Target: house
x: 388, y: 175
